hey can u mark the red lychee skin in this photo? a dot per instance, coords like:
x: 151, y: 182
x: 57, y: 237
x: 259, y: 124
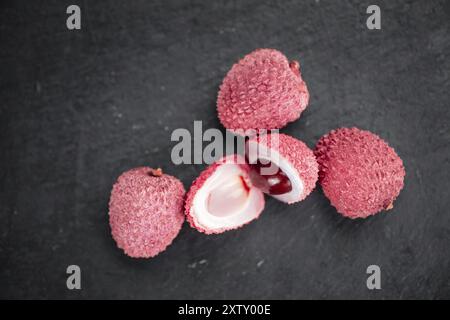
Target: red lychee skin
x: 298, y: 155
x: 199, y: 182
x: 360, y: 173
x: 146, y: 211
x: 262, y: 91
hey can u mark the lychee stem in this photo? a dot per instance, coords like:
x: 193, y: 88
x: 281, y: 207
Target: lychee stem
x: 295, y: 67
x: 156, y: 172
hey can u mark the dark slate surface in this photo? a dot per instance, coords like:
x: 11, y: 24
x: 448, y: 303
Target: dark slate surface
x: 79, y: 107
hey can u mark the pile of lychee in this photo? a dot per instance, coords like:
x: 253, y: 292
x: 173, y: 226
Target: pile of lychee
x: 359, y: 172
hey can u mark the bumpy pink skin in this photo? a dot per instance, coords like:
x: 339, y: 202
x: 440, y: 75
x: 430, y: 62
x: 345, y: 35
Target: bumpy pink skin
x: 199, y: 182
x: 359, y: 173
x: 262, y: 91
x: 298, y: 155
x: 145, y: 212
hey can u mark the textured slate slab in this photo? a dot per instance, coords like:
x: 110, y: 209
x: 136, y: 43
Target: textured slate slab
x: 79, y: 107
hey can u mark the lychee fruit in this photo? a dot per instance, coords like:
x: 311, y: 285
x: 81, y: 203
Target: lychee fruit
x: 282, y: 166
x: 222, y: 198
x: 230, y: 192
x: 262, y: 91
x: 359, y: 172
x: 146, y: 211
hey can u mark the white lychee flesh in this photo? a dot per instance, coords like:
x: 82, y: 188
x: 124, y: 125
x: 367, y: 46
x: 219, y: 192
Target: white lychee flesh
x: 223, y: 199
x: 292, y: 157
x: 259, y: 151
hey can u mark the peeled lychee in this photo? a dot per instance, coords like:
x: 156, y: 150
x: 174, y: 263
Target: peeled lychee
x: 146, y: 211
x: 230, y: 192
x: 262, y: 91
x: 222, y: 198
x: 360, y: 173
x: 289, y: 170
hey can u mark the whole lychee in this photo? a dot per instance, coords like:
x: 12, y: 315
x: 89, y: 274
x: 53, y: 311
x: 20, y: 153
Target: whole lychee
x: 262, y: 91
x: 360, y: 173
x: 146, y: 211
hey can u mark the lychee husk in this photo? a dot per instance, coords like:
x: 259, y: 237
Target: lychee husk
x: 222, y: 198
x: 293, y: 157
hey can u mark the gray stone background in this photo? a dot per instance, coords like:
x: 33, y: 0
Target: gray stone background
x: 79, y: 107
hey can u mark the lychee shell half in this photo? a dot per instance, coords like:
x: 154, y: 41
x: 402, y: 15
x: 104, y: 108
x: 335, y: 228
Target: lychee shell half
x: 262, y: 91
x: 360, y: 173
x: 146, y: 211
x: 222, y: 197
x: 293, y: 157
